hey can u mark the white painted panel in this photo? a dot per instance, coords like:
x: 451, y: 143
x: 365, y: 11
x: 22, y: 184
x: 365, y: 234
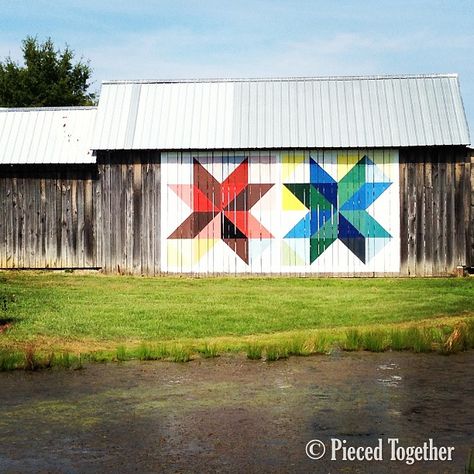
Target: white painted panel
x: 289, y: 211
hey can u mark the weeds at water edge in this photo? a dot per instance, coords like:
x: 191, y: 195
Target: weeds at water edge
x: 470, y: 463
x: 273, y: 353
x: 208, y: 351
x: 11, y: 360
x: 254, y: 351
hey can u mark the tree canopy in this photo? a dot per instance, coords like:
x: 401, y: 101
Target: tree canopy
x: 49, y: 77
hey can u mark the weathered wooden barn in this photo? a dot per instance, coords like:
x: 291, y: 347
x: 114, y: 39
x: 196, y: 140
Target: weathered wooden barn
x: 331, y: 176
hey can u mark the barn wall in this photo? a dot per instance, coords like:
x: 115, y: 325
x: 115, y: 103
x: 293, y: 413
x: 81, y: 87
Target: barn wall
x: 120, y: 214
x: 471, y: 217
x: 47, y: 216
x: 128, y: 212
x: 435, y: 210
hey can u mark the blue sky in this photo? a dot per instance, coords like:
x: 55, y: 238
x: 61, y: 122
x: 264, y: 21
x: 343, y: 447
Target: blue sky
x: 243, y: 38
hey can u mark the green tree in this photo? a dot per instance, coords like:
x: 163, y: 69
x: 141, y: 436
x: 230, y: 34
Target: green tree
x: 49, y: 77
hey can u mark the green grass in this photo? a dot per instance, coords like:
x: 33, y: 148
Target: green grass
x: 353, y: 340
x: 174, y: 318
x: 276, y: 352
x: 470, y: 463
x: 254, y: 351
x: 208, y: 351
x: 10, y: 360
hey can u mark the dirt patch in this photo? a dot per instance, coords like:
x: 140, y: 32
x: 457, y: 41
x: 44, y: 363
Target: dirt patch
x: 5, y: 324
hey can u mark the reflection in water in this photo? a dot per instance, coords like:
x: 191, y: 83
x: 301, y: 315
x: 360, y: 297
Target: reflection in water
x: 233, y: 415
x: 393, y: 380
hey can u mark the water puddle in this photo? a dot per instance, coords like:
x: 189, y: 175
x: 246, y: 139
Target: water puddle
x: 232, y: 415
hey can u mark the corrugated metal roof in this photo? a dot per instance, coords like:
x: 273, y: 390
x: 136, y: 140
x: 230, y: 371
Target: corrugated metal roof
x: 331, y: 112
x: 46, y: 135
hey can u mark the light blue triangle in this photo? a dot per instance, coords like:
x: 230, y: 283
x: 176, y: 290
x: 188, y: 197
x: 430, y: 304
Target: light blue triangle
x: 258, y: 246
x: 301, y: 230
x: 373, y: 173
x: 374, y: 246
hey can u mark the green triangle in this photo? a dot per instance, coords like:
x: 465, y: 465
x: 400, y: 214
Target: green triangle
x: 317, y: 200
x: 351, y: 182
x: 301, y: 191
x: 365, y: 224
x: 317, y: 246
x: 322, y: 239
x: 328, y: 230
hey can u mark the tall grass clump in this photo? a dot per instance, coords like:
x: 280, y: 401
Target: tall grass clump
x: 65, y: 360
x: 322, y: 344
x: 275, y: 352
x: 461, y: 338
x: 145, y: 352
x: 470, y: 463
x: 418, y: 340
x: 374, y: 341
x: 297, y: 347
x: 398, y: 341
x: 11, y: 360
x: 208, y: 351
x: 32, y: 361
x: 319, y: 344
x: 414, y: 339
x: 179, y: 353
x: 121, y: 354
x: 470, y: 333
x: 254, y: 351
x: 354, y: 340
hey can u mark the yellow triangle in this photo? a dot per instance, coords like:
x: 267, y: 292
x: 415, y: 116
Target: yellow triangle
x: 289, y: 257
x: 201, y: 247
x: 290, y: 202
x: 345, y: 163
x: 174, y: 255
x: 290, y: 162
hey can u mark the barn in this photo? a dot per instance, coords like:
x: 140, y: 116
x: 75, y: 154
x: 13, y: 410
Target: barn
x: 344, y: 176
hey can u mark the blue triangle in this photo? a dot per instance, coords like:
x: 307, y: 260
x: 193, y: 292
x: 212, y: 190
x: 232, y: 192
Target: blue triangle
x: 301, y: 230
x: 346, y: 230
x: 318, y: 219
x: 318, y: 174
x: 328, y: 190
x: 365, y: 196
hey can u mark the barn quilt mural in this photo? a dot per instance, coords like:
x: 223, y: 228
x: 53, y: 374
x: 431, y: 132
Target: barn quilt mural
x: 295, y: 211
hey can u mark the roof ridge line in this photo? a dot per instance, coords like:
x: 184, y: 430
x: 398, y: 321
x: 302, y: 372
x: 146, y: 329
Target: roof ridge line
x: 282, y: 79
x: 51, y: 109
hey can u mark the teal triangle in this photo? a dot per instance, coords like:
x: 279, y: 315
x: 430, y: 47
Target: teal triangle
x: 365, y: 224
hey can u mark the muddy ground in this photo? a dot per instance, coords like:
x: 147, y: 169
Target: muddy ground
x: 233, y: 415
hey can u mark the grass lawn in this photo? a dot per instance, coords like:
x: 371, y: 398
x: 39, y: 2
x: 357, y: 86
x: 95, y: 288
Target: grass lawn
x: 53, y: 311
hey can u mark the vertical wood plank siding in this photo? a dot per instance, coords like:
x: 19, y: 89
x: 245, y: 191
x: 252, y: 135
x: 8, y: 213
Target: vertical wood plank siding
x: 436, y: 212
x: 46, y: 216
x: 128, y: 223
x: 471, y: 210
x: 108, y: 216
